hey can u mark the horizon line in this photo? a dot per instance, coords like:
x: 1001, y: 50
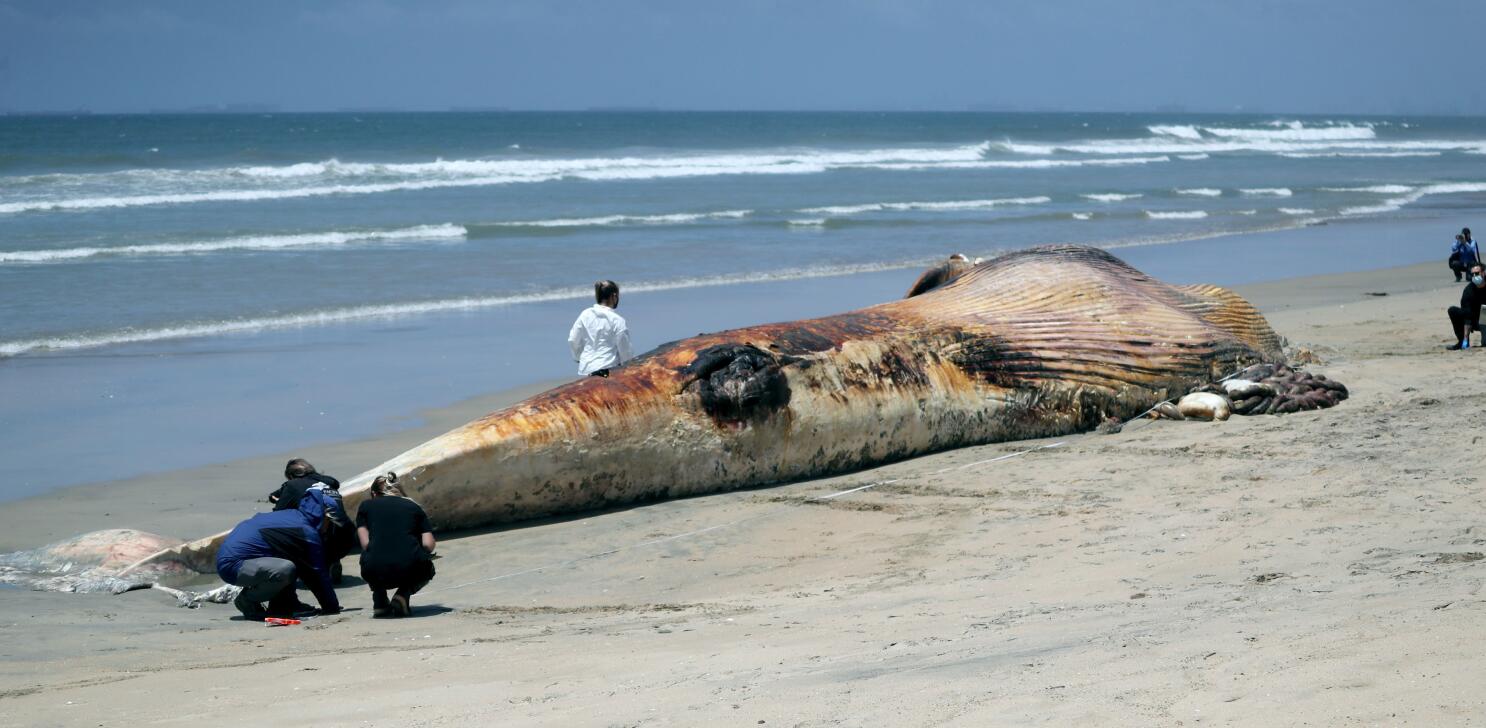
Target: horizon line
x: 270, y: 109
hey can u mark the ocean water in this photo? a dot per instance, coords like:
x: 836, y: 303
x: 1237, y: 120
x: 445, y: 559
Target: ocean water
x: 177, y: 288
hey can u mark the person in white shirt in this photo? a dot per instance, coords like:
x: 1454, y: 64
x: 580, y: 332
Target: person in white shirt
x: 600, y: 338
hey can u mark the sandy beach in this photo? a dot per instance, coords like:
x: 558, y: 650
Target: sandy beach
x: 1321, y: 568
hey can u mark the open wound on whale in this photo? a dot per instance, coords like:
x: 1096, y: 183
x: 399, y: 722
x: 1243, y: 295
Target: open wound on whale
x: 1038, y: 343
x: 737, y: 383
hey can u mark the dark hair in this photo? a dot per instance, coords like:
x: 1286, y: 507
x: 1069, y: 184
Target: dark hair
x: 604, y: 290
x: 298, y: 468
x: 386, y: 485
x: 1465, y: 231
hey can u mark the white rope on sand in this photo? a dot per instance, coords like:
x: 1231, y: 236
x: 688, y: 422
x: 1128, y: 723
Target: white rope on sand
x: 700, y: 531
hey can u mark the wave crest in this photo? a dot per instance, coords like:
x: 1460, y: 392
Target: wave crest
x: 255, y: 242
x: 394, y: 310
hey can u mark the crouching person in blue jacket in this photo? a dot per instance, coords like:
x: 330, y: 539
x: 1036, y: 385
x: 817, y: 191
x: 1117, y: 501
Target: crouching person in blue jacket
x: 266, y: 554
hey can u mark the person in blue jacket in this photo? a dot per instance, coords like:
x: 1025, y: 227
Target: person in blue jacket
x: 266, y: 554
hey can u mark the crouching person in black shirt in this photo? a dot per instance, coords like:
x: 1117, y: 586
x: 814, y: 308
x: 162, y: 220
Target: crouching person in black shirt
x: 267, y: 553
x: 338, y: 535
x: 1466, y: 317
x: 396, y: 546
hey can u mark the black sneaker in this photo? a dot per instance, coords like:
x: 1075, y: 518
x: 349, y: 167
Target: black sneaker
x: 1454, y: 347
x: 400, y: 606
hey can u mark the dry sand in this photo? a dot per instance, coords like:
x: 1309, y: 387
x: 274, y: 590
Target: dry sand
x: 1321, y: 568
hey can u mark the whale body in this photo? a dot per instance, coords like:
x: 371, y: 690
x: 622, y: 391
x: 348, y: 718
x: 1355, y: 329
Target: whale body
x: 1041, y: 342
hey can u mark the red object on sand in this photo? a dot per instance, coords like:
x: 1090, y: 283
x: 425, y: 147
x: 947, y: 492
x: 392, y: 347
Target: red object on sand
x: 279, y: 621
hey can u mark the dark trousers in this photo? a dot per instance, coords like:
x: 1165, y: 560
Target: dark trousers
x: 267, y: 579
x: 1458, y: 322
x: 406, y: 579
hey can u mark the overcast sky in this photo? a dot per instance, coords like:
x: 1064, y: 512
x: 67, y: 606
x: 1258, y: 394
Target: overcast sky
x: 1265, y: 55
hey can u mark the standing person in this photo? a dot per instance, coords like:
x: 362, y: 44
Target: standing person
x: 600, y: 338
x: 1470, y: 252
x: 339, y: 536
x: 266, y: 554
x: 1466, y: 317
x: 396, y: 546
x: 1457, y: 257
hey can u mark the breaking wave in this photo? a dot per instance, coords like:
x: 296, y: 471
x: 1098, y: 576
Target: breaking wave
x: 1111, y: 197
x: 1396, y: 203
x: 934, y: 206
x: 256, y: 242
x: 1277, y: 131
x: 1363, y: 155
x: 1200, y: 192
x: 1289, y: 138
x: 394, y: 310
x: 1183, y: 215
x: 139, y: 187
x: 1180, y: 132
x: 1297, y: 131
x: 1267, y: 191
x: 676, y: 218
x: 1375, y: 189
x: 1024, y: 163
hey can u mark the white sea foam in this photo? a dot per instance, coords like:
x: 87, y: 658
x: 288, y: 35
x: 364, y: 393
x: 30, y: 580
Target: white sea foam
x: 256, y: 242
x: 1267, y: 191
x: 1397, y: 203
x: 1183, y: 215
x: 953, y: 205
x: 1112, y: 196
x: 1024, y: 163
x: 603, y: 220
x: 1200, y: 192
x: 93, y: 203
x: 1340, y: 140
x: 1247, y: 212
x: 1297, y: 211
x: 808, y: 222
x: 1375, y: 189
x: 1296, y: 131
x: 1082, y: 216
x: 1180, y: 132
x: 1363, y: 155
x: 839, y: 210
x: 132, y: 188
x: 393, y: 310
x: 1192, y: 157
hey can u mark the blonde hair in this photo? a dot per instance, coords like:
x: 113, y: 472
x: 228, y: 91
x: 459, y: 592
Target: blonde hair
x: 386, y: 485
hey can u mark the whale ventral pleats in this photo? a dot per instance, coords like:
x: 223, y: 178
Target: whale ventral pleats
x: 738, y: 382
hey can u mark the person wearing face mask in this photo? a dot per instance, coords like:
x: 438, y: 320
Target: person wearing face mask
x: 1466, y: 317
x: 1457, y: 257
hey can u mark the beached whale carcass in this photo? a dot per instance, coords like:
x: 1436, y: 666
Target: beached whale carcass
x: 1041, y: 342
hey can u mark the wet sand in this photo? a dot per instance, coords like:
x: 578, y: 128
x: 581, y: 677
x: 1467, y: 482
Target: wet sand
x: 1321, y: 568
